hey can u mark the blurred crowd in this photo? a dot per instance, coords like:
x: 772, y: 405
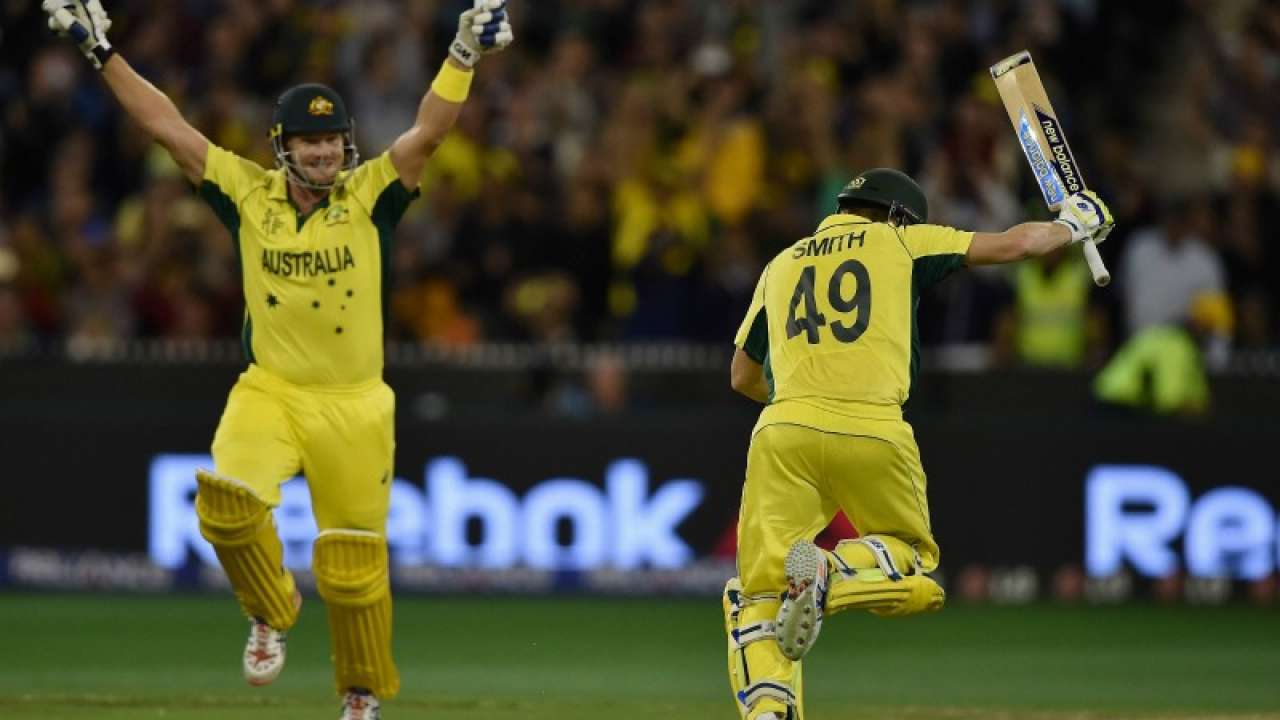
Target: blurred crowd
x: 625, y: 170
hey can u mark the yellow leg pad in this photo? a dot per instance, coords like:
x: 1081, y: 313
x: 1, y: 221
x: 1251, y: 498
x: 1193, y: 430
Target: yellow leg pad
x: 239, y: 526
x: 352, y: 577
x: 762, y: 678
x: 872, y: 590
x: 882, y: 551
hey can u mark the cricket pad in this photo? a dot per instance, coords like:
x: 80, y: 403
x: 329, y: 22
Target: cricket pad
x: 351, y: 571
x: 239, y: 526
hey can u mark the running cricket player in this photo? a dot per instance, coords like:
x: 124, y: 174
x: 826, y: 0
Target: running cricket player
x: 830, y: 345
x: 312, y: 238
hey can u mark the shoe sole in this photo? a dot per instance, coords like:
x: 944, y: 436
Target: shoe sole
x: 800, y: 617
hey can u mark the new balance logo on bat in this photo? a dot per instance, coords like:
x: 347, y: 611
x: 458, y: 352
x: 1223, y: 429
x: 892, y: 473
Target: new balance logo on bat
x: 1062, y: 158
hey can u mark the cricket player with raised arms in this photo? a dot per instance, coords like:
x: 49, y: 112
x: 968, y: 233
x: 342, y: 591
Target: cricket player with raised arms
x: 312, y: 239
x: 830, y: 345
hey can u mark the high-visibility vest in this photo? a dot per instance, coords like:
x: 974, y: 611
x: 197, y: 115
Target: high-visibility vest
x: 1159, y: 369
x: 1052, y: 310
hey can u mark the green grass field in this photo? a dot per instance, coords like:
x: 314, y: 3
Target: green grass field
x: 98, y: 656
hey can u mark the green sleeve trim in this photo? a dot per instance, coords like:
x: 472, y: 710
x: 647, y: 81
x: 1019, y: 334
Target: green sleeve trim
x: 756, y: 346
x: 223, y: 206
x: 246, y: 338
x: 914, y: 367
x: 390, y: 206
x: 768, y: 377
x: 387, y: 211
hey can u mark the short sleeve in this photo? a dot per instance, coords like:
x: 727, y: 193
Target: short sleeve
x: 376, y: 185
x: 936, y: 252
x: 927, y: 240
x: 753, y: 334
x: 228, y: 178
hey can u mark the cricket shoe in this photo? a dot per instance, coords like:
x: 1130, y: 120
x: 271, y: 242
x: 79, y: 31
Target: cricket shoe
x: 800, y: 617
x: 360, y: 704
x: 264, y: 652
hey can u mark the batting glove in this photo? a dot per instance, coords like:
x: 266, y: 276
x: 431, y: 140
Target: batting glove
x: 86, y: 23
x: 1086, y: 216
x: 482, y: 30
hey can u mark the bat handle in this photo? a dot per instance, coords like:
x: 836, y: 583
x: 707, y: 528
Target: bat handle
x: 1101, y: 276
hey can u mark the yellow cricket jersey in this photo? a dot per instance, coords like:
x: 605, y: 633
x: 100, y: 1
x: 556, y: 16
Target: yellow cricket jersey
x: 313, y: 285
x: 833, y: 319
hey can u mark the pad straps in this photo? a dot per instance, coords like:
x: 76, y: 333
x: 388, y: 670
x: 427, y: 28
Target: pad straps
x: 754, y: 693
x: 882, y: 555
x: 756, y: 632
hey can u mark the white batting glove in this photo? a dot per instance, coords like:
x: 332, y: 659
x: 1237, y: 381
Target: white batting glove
x: 482, y: 30
x: 86, y: 23
x: 1086, y: 216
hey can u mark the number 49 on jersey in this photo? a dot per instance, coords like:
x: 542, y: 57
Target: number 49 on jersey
x: 813, y: 320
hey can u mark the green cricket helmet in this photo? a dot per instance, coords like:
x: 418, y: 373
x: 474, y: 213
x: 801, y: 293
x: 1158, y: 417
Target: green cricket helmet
x: 311, y: 108
x: 890, y: 189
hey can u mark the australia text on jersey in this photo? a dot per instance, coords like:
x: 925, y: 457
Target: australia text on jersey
x: 307, y: 263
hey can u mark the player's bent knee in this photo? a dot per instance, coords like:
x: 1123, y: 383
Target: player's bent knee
x: 877, y: 593
x: 237, y: 522
x: 230, y: 512
x: 351, y: 567
x: 895, y: 557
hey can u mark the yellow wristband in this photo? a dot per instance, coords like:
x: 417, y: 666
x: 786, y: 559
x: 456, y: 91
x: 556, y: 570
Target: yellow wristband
x: 451, y: 83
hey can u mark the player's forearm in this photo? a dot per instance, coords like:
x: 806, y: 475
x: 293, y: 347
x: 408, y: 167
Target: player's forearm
x: 1019, y: 242
x: 746, y: 376
x: 144, y: 102
x: 442, y: 104
x: 758, y: 391
x: 1042, y: 238
x: 437, y: 113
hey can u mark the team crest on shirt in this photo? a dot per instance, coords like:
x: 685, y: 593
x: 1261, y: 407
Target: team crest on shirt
x: 320, y: 105
x: 336, y: 215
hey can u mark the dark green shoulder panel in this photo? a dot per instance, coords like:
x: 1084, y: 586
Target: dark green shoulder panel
x: 932, y: 269
x: 925, y: 273
x: 224, y: 207
x: 757, y: 344
x: 387, y: 212
x: 390, y: 207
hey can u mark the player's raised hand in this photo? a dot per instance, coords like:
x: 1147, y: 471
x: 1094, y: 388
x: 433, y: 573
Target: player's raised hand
x: 482, y: 30
x: 1086, y: 216
x: 86, y: 23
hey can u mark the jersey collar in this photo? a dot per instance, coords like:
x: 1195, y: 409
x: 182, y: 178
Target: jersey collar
x: 277, y: 186
x: 841, y: 219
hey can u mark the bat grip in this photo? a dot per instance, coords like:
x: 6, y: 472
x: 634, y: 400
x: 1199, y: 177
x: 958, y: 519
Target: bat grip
x: 1101, y: 276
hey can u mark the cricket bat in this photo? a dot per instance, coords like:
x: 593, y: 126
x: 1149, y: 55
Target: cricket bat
x: 1043, y: 141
